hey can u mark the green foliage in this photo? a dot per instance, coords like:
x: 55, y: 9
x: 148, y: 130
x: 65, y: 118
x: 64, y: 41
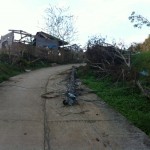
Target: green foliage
x: 8, y: 70
x: 124, y: 98
x: 141, y: 62
x: 139, y: 20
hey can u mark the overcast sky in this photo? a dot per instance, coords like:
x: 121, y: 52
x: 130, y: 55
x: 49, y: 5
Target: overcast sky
x: 106, y: 17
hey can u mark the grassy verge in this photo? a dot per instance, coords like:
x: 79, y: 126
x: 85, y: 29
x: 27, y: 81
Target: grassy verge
x: 8, y: 70
x: 124, y: 98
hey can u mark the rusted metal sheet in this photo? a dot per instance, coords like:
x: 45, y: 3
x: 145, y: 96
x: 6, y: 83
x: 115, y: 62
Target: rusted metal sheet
x: 45, y: 40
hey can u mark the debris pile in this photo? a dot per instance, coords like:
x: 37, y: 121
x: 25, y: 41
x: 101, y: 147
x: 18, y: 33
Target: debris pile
x: 106, y: 59
x: 71, y: 89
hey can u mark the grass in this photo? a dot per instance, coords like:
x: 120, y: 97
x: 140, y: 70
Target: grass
x: 123, y: 98
x: 8, y: 70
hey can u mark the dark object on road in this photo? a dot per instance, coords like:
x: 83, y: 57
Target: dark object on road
x: 71, y: 89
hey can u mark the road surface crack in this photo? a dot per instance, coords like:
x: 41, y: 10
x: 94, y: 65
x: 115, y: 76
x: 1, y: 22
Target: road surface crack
x: 46, y: 127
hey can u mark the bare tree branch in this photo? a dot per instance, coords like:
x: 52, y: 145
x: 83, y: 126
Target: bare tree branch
x: 60, y: 23
x: 138, y: 20
x: 105, y: 58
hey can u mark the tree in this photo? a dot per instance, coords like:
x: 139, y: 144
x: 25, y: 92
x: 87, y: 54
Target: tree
x: 60, y: 23
x: 139, y: 20
x: 106, y: 59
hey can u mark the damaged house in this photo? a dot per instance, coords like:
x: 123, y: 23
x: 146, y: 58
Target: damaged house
x: 15, y: 36
x: 18, y: 43
x: 45, y: 40
x: 6, y: 40
x: 41, y: 39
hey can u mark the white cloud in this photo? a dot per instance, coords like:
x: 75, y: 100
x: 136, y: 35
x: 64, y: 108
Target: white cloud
x: 19, y: 14
x: 108, y: 17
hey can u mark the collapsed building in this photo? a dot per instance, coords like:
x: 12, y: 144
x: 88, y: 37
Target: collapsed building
x: 41, y: 45
x: 41, y: 39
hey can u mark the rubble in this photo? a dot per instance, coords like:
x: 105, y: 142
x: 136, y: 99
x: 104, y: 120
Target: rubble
x: 71, y: 90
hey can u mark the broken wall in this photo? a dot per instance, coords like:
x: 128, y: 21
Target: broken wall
x: 7, y: 40
x: 43, y: 42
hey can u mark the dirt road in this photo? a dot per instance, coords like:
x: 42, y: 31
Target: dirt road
x: 32, y: 117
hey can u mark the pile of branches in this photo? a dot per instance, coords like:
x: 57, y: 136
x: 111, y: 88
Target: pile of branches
x: 107, y: 59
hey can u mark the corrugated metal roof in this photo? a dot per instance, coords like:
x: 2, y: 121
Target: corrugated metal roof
x: 45, y: 35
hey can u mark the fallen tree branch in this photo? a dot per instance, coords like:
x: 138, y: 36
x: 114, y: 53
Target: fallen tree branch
x: 144, y: 91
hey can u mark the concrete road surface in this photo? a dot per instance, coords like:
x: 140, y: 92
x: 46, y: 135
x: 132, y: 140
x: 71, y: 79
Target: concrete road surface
x: 32, y: 117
